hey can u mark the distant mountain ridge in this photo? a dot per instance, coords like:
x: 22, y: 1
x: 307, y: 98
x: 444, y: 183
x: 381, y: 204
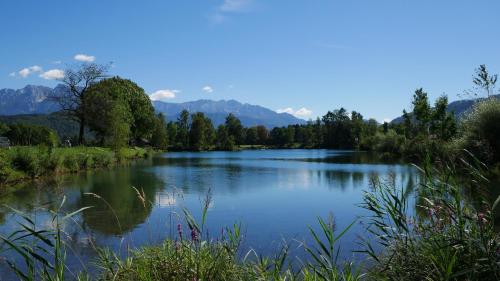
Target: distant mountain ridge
x: 250, y: 115
x: 35, y: 100
x: 459, y: 108
x: 28, y: 100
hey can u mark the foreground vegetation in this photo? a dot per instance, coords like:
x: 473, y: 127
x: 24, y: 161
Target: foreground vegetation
x: 28, y: 162
x: 440, y: 233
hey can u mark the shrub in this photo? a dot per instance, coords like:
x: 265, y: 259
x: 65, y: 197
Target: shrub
x: 53, y: 161
x: 27, y: 159
x: 104, y: 159
x: 480, y: 131
x: 23, y: 134
x: 7, y: 173
x: 389, y: 142
x: 71, y: 163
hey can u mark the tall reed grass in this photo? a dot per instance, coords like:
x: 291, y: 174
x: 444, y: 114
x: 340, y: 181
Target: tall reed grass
x: 440, y: 235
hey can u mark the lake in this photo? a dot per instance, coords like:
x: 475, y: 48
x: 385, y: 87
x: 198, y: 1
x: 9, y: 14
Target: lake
x: 274, y: 194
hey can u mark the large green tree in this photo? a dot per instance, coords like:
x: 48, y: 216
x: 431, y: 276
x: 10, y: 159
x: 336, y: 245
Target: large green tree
x: 138, y: 112
x: 78, y: 81
x: 337, y: 130
x: 201, y: 134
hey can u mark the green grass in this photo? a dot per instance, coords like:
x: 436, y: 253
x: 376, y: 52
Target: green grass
x: 27, y: 162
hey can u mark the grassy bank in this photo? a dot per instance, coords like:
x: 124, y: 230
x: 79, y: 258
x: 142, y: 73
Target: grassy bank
x: 28, y: 162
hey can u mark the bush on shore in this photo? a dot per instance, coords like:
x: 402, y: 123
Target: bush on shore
x: 34, y: 161
x: 479, y: 131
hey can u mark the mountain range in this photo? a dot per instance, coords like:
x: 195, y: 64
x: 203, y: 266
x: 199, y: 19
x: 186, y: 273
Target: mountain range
x: 250, y: 115
x: 35, y: 100
x: 32, y: 102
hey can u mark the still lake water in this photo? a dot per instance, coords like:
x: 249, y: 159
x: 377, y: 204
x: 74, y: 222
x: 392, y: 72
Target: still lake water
x: 274, y: 194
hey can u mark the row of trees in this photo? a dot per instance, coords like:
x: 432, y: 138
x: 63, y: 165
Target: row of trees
x: 197, y: 132
x: 120, y: 113
x: 26, y: 134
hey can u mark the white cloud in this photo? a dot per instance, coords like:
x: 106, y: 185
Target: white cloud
x: 52, y: 74
x: 234, y: 5
x: 35, y: 68
x: 25, y: 72
x: 301, y: 113
x: 163, y: 94
x: 207, y: 89
x: 288, y: 110
x: 84, y: 58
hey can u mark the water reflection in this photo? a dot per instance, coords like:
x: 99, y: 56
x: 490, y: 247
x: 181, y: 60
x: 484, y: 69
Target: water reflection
x: 275, y: 194
x: 117, y: 208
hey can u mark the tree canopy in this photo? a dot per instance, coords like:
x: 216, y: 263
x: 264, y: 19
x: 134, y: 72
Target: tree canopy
x: 119, y: 99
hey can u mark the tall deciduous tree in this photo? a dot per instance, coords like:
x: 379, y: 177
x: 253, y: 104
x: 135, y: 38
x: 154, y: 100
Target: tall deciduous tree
x: 224, y: 141
x: 159, y: 138
x: 337, y: 129
x: 138, y: 112
x: 117, y: 127
x: 443, y: 124
x: 79, y: 80
x: 182, y: 139
x: 421, y: 110
x: 201, y: 134
x: 262, y: 134
x: 251, y: 136
x: 234, y: 128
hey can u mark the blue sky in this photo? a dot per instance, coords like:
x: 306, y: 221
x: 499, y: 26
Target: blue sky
x: 310, y: 56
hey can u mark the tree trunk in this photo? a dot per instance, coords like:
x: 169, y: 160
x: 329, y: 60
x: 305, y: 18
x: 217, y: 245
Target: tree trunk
x: 81, y: 135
